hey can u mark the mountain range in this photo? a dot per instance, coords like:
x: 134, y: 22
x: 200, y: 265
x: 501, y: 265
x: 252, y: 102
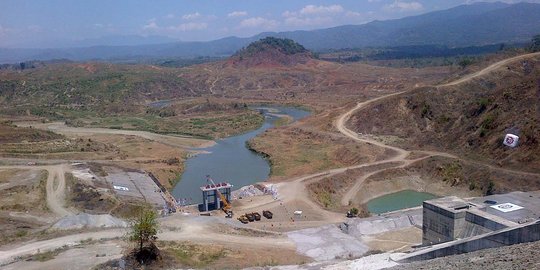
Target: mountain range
x: 466, y: 25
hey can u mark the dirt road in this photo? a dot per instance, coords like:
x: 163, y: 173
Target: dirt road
x: 174, y: 228
x: 402, y: 154
x: 56, y: 190
x: 55, y: 187
x: 175, y: 141
x: 490, y: 68
x: 188, y: 231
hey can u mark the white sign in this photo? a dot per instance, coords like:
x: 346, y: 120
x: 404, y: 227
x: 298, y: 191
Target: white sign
x: 511, y: 140
x: 121, y: 188
x: 506, y: 207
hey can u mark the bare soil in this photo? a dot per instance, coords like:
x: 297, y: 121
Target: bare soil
x: 299, y: 150
x: 468, y: 117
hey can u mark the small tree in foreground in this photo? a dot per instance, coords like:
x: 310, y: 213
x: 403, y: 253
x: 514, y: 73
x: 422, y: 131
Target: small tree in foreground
x: 144, y: 228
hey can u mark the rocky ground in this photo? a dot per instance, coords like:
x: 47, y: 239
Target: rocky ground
x: 522, y: 256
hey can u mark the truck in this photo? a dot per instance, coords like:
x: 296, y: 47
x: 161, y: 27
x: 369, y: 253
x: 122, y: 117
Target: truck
x: 243, y: 219
x: 267, y: 214
x: 250, y: 217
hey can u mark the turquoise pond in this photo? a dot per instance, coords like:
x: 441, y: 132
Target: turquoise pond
x: 399, y: 200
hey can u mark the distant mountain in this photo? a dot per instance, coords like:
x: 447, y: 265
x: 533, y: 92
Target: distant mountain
x: 124, y: 40
x: 466, y: 25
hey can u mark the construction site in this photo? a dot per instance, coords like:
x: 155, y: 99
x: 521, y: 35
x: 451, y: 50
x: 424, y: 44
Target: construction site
x: 317, y: 165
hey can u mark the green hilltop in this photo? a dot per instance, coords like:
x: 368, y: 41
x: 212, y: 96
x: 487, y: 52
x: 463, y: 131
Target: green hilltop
x: 284, y: 45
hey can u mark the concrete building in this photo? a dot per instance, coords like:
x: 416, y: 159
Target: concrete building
x: 211, y: 191
x: 451, y: 225
x: 450, y: 218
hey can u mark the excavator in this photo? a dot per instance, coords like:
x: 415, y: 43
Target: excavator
x: 226, y: 206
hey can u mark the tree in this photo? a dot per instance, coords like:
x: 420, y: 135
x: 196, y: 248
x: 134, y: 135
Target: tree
x: 465, y: 62
x: 535, y: 45
x: 144, y: 228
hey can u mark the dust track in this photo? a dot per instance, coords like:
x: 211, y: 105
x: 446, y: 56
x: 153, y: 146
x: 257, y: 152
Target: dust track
x: 489, y: 69
x: 55, y: 186
x: 174, y: 141
x: 56, y: 190
x: 293, y: 190
x: 402, y: 153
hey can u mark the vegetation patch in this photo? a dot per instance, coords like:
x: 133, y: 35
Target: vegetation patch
x: 284, y: 45
x: 187, y: 254
x: 208, y: 125
x: 10, y: 133
x: 46, y: 256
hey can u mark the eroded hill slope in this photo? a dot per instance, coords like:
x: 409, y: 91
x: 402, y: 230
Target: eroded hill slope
x: 469, y: 117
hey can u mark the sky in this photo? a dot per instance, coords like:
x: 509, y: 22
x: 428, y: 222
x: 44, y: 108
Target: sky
x: 60, y: 23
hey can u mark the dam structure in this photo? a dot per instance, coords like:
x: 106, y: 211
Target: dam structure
x: 212, y: 191
x: 452, y: 225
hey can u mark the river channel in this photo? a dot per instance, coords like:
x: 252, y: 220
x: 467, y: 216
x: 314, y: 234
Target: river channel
x: 229, y: 160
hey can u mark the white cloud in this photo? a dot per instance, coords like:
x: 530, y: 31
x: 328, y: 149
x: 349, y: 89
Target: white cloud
x: 312, y: 9
x: 288, y: 14
x: 170, y: 16
x: 404, y: 6
x: 191, y: 26
x: 312, y: 15
x: 302, y: 21
x: 237, y: 14
x: 258, y: 22
x: 151, y: 25
x: 353, y: 14
x: 192, y: 16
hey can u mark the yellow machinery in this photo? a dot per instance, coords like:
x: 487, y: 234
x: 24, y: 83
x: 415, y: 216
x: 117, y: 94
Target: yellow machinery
x: 226, y: 206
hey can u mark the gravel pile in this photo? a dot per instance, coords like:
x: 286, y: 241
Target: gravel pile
x: 247, y: 191
x: 84, y: 220
x: 327, y: 243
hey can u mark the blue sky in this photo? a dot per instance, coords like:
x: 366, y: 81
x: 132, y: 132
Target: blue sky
x: 50, y: 23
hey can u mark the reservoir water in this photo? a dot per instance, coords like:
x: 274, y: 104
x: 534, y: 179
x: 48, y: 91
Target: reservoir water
x: 230, y: 160
x: 399, y: 200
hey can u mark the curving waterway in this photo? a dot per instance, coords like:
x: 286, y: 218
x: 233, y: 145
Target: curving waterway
x: 230, y: 160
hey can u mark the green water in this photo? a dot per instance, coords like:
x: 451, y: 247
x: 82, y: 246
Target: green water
x: 399, y: 200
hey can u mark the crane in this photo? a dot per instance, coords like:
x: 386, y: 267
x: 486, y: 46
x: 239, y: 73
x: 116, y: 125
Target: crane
x: 227, y: 207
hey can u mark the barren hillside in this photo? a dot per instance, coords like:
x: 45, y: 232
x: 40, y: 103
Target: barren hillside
x: 468, y: 117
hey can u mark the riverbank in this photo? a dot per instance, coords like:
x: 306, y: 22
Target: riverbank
x: 231, y: 159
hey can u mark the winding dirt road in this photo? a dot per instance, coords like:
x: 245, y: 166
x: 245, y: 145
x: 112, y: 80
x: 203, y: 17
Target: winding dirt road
x: 489, y: 69
x: 402, y: 154
x: 293, y: 190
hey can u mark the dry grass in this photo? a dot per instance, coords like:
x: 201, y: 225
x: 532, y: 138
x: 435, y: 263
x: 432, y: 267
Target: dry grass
x: 295, y: 151
x: 25, y: 192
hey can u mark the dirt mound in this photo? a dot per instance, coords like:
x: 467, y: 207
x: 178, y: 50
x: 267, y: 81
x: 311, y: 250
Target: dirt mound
x: 471, y: 117
x: 84, y: 220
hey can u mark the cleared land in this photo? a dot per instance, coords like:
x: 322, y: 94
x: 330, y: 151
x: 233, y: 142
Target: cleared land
x: 347, y: 176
